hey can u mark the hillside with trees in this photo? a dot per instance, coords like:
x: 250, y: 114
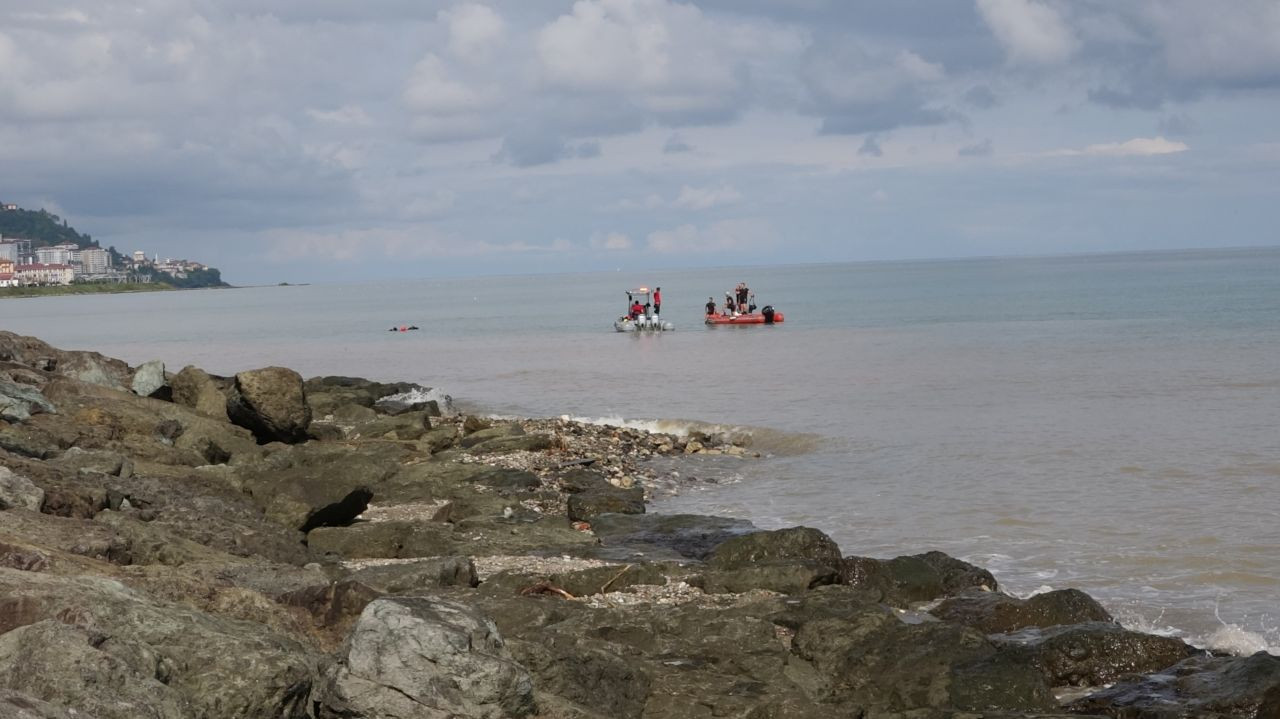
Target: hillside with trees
x: 44, y: 229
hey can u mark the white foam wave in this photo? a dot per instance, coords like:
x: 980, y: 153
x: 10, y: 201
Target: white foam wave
x: 1233, y: 639
x: 429, y: 394
x: 758, y: 438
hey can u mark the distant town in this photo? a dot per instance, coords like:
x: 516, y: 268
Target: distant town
x: 34, y: 261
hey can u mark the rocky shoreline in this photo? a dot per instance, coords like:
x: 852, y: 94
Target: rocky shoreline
x: 186, y: 545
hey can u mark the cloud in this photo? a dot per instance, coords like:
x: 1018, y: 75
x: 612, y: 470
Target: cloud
x: 676, y: 144
x: 725, y: 236
x: 373, y: 244
x: 978, y: 149
x: 871, y: 147
x: 1031, y: 32
x: 431, y: 91
x: 704, y: 198
x: 855, y: 90
x: 612, y: 241
x: 350, y: 115
x: 1179, y: 123
x: 474, y: 31
x: 981, y: 97
x: 1137, y: 147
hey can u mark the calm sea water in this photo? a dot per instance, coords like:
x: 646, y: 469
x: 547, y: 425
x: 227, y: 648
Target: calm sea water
x: 1103, y: 422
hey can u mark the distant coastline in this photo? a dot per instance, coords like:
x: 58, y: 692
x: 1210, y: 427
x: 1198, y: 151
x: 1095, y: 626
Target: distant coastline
x: 107, y: 288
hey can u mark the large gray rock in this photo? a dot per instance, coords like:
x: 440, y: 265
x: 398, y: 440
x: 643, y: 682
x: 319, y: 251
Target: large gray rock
x: 108, y: 677
x: 861, y: 654
x: 271, y: 403
x: 801, y: 543
x: 314, y: 485
x: 148, y: 379
x: 423, y: 658
x: 1203, y: 686
x: 220, y: 667
x: 1093, y: 653
x: 18, y: 402
x: 17, y: 705
x: 194, y: 388
x: 585, y: 506
x: 19, y: 492
x: 995, y: 613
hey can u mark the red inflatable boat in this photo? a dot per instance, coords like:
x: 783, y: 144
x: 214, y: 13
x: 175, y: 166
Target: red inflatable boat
x: 766, y: 316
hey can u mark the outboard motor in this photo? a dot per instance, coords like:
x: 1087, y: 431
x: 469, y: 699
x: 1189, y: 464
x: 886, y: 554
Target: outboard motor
x: 768, y: 314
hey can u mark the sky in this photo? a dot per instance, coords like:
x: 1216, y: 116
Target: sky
x: 336, y: 140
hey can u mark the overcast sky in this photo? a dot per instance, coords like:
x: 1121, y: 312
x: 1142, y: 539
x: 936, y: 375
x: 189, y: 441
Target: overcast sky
x: 322, y: 140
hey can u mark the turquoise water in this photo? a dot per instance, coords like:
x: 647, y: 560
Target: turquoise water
x: 1106, y: 422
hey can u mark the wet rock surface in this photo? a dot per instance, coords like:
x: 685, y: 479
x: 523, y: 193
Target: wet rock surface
x: 349, y: 549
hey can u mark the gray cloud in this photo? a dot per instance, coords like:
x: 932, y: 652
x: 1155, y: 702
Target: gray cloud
x: 224, y: 126
x: 871, y: 147
x: 676, y: 144
x: 978, y: 149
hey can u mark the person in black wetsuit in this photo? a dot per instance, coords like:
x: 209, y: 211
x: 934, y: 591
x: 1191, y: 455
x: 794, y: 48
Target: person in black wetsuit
x: 711, y: 305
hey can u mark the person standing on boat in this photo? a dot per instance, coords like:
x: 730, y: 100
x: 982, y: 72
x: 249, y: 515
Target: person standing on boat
x: 657, y: 301
x: 711, y: 305
x: 743, y: 293
x: 728, y: 304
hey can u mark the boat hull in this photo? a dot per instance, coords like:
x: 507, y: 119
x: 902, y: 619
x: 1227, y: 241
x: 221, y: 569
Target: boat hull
x: 751, y: 318
x: 642, y: 324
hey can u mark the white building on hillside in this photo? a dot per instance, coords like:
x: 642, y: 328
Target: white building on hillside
x: 95, y: 260
x: 42, y: 274
x: 56, y: 255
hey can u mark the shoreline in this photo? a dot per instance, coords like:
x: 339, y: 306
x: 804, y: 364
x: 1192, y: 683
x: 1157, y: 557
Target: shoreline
x: 319, y: 528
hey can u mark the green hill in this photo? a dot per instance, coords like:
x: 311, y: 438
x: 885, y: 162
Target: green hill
x: 42, y: 227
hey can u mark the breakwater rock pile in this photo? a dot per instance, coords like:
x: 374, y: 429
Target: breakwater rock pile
x: 186, y: 545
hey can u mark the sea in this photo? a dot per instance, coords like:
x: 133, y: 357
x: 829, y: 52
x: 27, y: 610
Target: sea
x: 1106, y: 422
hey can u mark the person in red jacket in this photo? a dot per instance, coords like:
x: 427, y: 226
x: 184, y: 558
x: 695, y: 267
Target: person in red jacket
x: 657, y: 301
x: 637, y: 309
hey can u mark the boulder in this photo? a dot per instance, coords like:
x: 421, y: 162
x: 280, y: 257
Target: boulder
x: 418, y: 575
x: 17, y: 705
x: 196, y: 389
x: 99, y: 461
x: 477, y: 436
x: 28, y: 441
x: 1093, y: 653
x: 664, y: 536
x: 219, y: 667
x: 144, y: 429
x: 1201, y: 686
x: 795, y: 543
x: 109, y: 677
x: 148, y: 379
x: 18, y: 492
x: 536, y: 442
x: 421, y: 657
x: 311, y: 486
x: 331, y: 605
x: 994, y: 613
x: 586, y: 506
x: 788, y: 576
x: 88, y: 367
x: 903, y: 581
x: 389, y: 540
x: 270, y: 403
x: 871, y: 660
x: 18, y: 402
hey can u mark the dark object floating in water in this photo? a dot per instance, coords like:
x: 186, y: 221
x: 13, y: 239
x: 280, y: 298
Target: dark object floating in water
x: 403, y: 328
